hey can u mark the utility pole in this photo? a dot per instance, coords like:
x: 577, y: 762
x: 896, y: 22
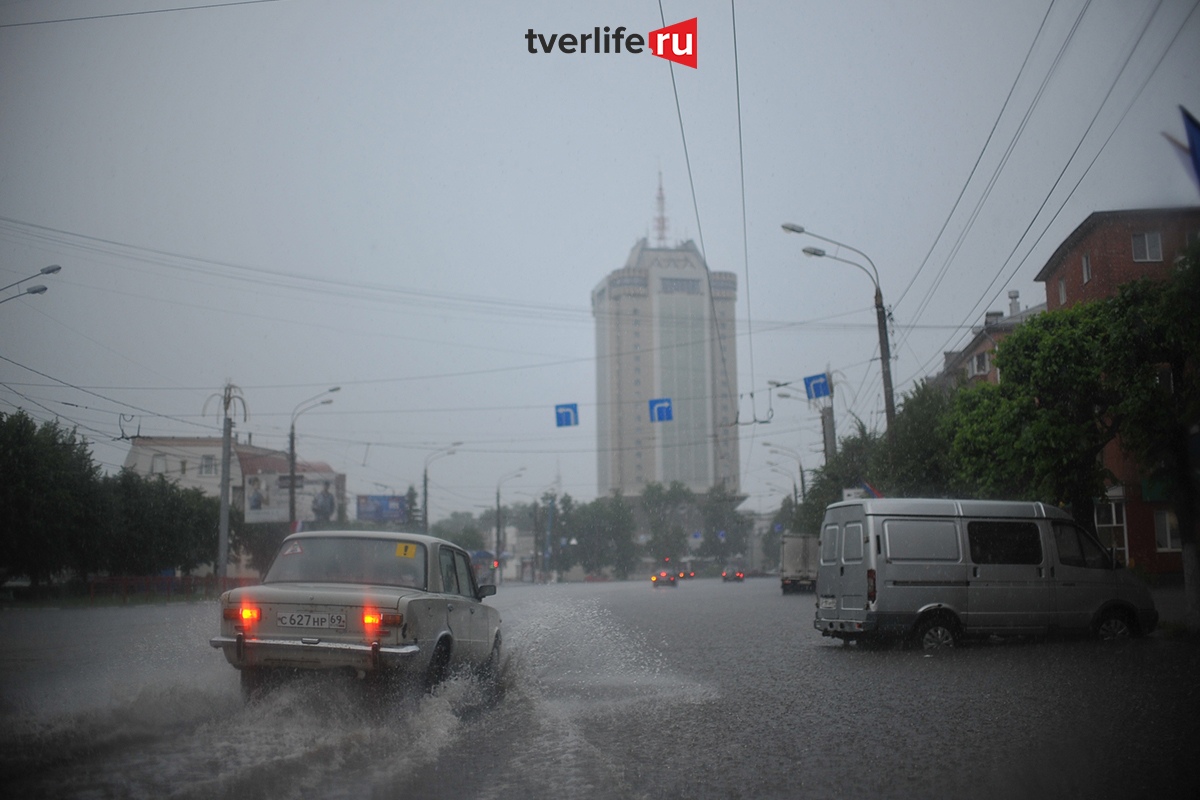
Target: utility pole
x: 230, y: 395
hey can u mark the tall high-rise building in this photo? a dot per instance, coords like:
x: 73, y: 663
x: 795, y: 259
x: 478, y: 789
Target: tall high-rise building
x: 665, y: 331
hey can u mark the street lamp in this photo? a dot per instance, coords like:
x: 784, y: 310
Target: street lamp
x: 303, y: 406
x: 794, y: 455
x: 499, y: 525
x: 445, y: 451
x: 50, y: 270
x: 885, y: 350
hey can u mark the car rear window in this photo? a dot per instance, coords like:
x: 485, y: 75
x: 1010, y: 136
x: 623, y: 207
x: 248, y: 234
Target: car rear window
x: 379, y: 562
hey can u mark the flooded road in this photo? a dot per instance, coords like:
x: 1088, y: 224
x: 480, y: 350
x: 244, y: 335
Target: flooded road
x: 609, y: 691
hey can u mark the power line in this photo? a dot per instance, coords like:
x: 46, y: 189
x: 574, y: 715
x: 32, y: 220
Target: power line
x: 135, y: 13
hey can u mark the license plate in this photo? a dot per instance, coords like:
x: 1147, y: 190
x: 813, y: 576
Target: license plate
x: 307, y: 619
x: 828, y: 602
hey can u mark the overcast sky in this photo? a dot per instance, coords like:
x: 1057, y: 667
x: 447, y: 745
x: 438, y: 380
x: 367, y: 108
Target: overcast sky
x: 400, y: 200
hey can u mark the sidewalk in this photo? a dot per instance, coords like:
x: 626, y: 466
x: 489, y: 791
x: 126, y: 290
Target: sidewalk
x: 1169, y: 601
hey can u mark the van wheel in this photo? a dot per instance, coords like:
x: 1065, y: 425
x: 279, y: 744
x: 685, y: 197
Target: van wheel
x: 1114, y: 626
x: 936, y: 633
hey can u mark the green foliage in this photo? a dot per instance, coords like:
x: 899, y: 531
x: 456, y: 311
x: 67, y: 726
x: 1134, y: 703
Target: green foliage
x: 603, y: 530
x: 152, y: 525
x: 726, y: 530
x: 847, y: 468
x: 48, y: 500
x: 663, y: 508
x: 915, y: 460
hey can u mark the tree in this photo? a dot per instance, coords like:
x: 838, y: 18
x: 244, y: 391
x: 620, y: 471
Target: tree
x: 1040, y: 433
x: 915, y: 460
x: 604, y: 531
x: 726, y: 530
x: 663, y: 507
x: 152, y: 525
x: 1154, y: 366
x: 48, y: 500
x: 847, y: 468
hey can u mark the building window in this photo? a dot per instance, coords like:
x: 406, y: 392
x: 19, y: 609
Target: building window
x: 1087, y: 268
x: 208, y: 465
x: 978, y: 365
x: 1062, y: 291
x: 158, y: 464
x: 1166, y: 532
x: 183, y: 468
x: 1147, y: 246
x: 681, y: 286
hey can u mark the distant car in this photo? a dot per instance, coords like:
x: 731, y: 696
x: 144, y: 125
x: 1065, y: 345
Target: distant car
x: 373, y: 604
x: 686, y: 572
x: 732, y: 573
x: 664, y: 577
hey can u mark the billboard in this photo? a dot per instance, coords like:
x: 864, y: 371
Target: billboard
x: 382, y: 508
x: 266, y: 496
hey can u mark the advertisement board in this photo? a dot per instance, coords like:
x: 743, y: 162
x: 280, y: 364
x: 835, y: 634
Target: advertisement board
x: 266, y: 496
x: 382, y: 508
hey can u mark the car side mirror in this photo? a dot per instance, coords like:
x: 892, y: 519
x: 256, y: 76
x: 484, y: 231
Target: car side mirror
x: 487, y: 590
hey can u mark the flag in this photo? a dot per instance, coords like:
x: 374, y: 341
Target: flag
x: 871, y: 490
x: 1188, y: 153
x: 1192, y: 127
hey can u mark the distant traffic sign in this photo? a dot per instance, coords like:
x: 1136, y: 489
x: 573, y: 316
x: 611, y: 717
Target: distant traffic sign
x: 660, y: 410
x: 566, y: 414
x: 817, y: 386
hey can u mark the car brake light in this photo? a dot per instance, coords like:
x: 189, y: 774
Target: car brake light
x: 371, y: 618
x: 242, y: 613
x: 870, y: 586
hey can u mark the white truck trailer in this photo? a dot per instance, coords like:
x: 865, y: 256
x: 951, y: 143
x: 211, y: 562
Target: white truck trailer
x: 798, y: 562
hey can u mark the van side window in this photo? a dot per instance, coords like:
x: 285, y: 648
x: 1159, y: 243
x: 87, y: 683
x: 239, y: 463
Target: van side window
x: 921, y: 540
x: 1004, y: 542
x: 1076, y: 548
x: 829, y: 541
x: 852, y: 542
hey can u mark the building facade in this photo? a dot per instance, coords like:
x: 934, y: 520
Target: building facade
x: 976, y: 363
x: 1108, y: 249
x: 258, y: 477
x: 665, y: 332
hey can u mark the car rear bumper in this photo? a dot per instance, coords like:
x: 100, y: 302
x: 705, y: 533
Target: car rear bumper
x: 298, y: 654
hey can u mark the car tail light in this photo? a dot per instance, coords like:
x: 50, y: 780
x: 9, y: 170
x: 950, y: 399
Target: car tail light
x: 245, y: 614
x: 870, y: 586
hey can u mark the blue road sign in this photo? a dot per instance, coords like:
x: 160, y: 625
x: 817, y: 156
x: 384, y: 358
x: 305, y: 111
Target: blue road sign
x: 817, y: 386
x: 567, y: 414
x: 660, y: 410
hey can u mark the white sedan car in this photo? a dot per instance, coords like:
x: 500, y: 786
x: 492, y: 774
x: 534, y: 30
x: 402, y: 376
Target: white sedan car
x: 371, y: 603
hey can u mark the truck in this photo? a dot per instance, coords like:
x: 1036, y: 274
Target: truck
x: 798, y: 554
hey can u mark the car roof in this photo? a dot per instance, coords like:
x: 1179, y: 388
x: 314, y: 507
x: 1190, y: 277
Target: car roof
x: 420, y: 538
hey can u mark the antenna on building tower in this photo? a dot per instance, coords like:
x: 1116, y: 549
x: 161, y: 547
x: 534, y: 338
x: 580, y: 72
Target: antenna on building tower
x: 660, y: 219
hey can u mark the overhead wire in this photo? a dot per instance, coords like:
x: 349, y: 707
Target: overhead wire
x: 1033, y: 219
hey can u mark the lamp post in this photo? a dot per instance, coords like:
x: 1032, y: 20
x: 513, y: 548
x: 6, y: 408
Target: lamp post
x: 500, y: 525
x: 885, y: 350
x: 50, y: 270
x: 301, y: 407
x: 794, y: 455
x: 445, y: 451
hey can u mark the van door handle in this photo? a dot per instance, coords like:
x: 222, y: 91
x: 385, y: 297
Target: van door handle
x: 975, y: 572
x: 449, y: 606
x: 1041, y: 572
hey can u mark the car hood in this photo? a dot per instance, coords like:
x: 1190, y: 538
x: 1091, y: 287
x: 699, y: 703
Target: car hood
x: 342, y: 594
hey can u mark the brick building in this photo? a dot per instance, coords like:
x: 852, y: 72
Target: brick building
x: 1108, y: 249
